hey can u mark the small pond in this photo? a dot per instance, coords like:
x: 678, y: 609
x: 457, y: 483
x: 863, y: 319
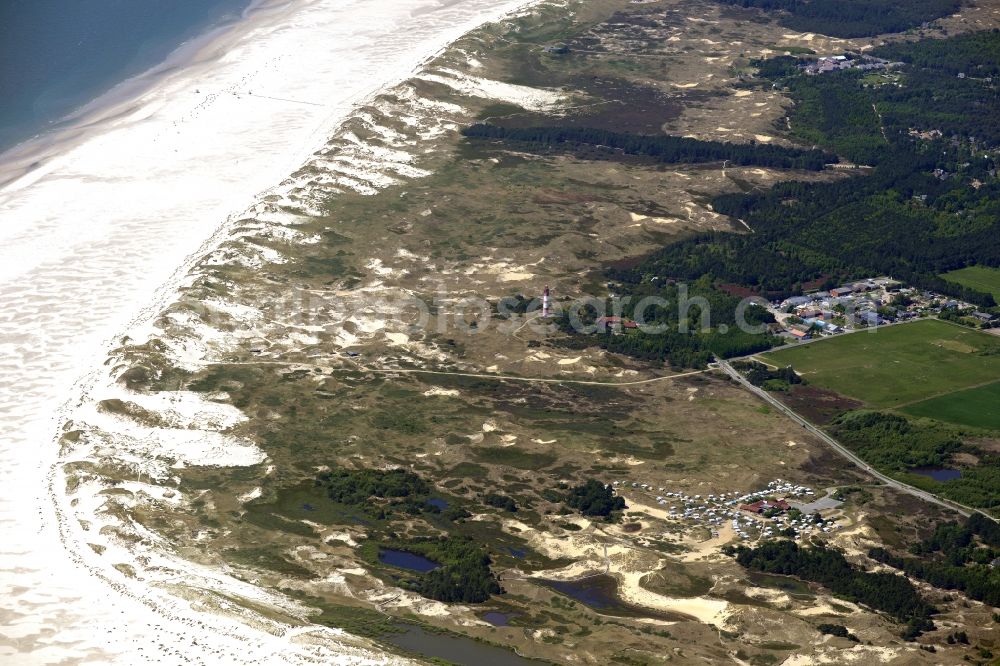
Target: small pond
x: 600, y: 592
x: 937, y: 473
x: 405, y: 560
x: 456, y: 649
x: 498, y: 619
x: 438, y: 502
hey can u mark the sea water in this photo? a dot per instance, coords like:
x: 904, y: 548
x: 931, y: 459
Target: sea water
x: 58, y: 55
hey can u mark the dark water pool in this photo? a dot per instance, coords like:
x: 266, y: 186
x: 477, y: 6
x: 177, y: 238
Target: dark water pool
x: 600, y: 592
x: 456, y: 649
x: 438, y: 502
x: 937, y: 473
x: 498, y: 619
x: 404, y: 560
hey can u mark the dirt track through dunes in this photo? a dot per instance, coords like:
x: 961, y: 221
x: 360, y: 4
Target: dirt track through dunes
x: 548, y: 380
x: 471, y: 375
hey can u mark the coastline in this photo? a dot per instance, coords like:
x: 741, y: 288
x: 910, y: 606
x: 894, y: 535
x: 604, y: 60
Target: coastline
x: 18, y: 160
x: 190, y: 466
x: 91, y: 275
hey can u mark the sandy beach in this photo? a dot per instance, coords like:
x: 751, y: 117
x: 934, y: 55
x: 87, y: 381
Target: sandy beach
x: 99, y: 225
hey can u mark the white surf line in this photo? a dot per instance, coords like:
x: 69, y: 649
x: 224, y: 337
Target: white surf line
x: 250, y: 95
x: 97, y: 226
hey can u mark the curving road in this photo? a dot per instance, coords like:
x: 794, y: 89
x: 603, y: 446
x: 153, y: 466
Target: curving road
x: 844, y: 451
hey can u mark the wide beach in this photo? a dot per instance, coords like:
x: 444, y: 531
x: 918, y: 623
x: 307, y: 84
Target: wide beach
x: 98, y: 227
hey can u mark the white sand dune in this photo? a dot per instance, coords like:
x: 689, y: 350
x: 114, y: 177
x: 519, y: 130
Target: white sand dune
x: 94, y: 223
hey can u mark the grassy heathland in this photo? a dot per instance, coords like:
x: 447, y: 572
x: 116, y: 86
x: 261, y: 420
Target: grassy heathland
x: 898, y: 365
x: 977, y: 277
x: 973, y: 407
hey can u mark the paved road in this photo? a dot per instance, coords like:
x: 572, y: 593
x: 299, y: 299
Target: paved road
x: 839, y: 448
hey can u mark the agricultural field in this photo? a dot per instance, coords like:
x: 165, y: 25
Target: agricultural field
x: 982, y: 278
x: 895, y: 366
x: 977, y: 407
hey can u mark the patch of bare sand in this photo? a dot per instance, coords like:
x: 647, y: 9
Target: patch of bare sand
x: 859, y: 654
x: 636, y: 217
x: 857, y: 540
x: 710, y: 548
x: 627, y: 564
x: 704, y: 609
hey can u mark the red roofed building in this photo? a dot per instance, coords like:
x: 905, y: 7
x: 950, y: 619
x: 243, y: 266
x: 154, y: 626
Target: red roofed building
x: 603, y: 323
x: 763, y: 505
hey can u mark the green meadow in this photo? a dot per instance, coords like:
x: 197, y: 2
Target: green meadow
x: 977, y: 277
x: 896, y: 366
x: 978, y: 407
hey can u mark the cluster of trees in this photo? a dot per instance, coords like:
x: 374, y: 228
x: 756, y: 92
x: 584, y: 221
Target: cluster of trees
x: 593, y: 498
x: 889, y: 593
x: 853, y: 18
x: 960, y: 637
x: 972, y: 54
x: 836, y: 111
x: 759, y: 374
x: 956, y: 540
x: 400, y: 489
x: 464, y: 575
x: 896, y: 444
x: 679, y: 350
x: 838, y: 630
x: 687, y: 350
x: 978, y: 486
x: 927, y: 207
x: 350, y: 486
x: 667, y: 149
x: 840, y: 112
x: 962, y: 316
x: 933, y: 97
x: 698, y: 322
x: 500, y: 501
x: 955, y: 557
x: 778, y: 67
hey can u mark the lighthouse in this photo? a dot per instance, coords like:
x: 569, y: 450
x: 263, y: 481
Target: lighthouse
x: 545, y: 302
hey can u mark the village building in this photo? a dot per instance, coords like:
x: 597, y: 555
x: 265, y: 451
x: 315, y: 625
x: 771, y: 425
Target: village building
x: 760, y: 506
x: 614, y: 323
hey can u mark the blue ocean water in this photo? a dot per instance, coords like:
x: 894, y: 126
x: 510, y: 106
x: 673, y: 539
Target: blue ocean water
x: 57, y: 55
